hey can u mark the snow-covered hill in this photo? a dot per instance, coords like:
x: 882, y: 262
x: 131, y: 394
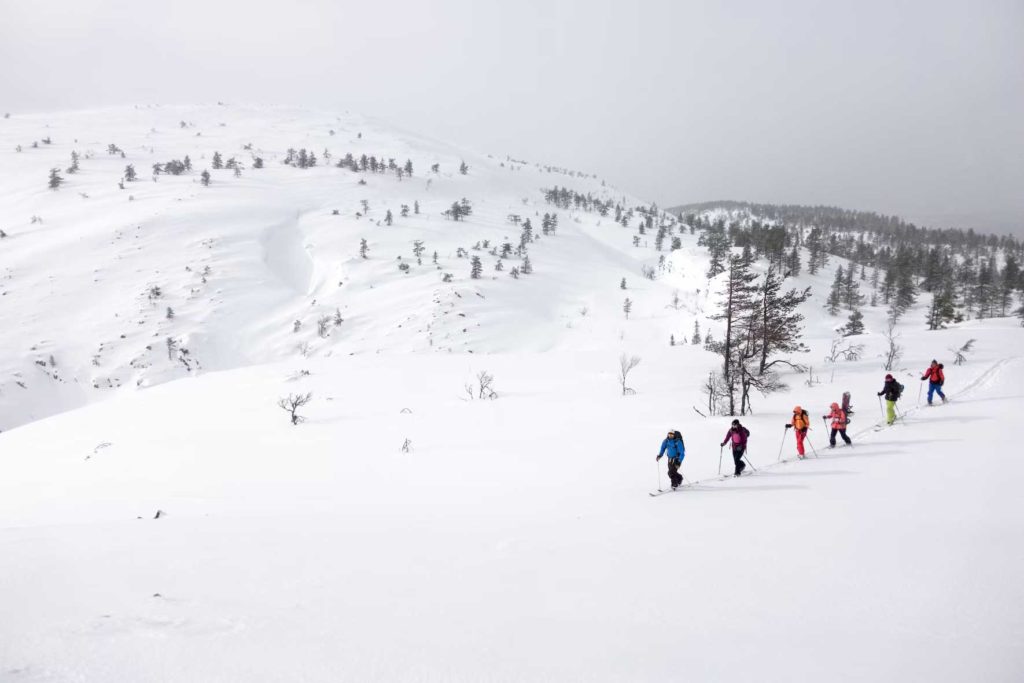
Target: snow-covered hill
x: 406, y: 530
x: 89, y: 271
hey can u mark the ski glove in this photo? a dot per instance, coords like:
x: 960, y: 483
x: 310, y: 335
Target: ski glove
x: 787, y: 425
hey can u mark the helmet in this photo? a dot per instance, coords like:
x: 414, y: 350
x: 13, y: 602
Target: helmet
x: 835, y: 406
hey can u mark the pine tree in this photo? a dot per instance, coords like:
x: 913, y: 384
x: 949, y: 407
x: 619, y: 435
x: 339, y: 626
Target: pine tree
x: 1009, y: 281
x: 129, y: 173
x: 718, y: 244
x: 388, y: 218
x: 218, y: 162
x: 364, y: 249
x: 622, y: 285
x: 835, y: 294
x: 463, y: 168
x: 695, y: 340
x: 942, y: 310
x: 55, y: 179
x: 476, y: 268
x: 526, y: 236
x: 204, y: 178
x: 793, y: 262
x: 527, y: 266
x: 779, y: 327
x: 852, y: 298
x: 627, y: 306
x: 854, y: 324
x: 736, y: 306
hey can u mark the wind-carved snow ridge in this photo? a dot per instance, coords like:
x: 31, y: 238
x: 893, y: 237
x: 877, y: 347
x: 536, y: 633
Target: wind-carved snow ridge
x: 287, y: 256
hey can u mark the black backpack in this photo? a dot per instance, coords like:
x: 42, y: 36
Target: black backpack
x: 679, y: 437
x: 899, y: 390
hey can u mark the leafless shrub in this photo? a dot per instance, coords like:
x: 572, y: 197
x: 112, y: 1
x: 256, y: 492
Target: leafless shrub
x: 292, y: 403
x: 485, y: 381
x: 895, y: 351
x: 626, y: 365
x: 846, y: 352
x: 323, y: 326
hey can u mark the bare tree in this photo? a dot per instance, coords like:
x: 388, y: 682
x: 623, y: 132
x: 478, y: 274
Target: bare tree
x: 895, y: 351
x: 626, y: 365
x: 323, y: 326
x: 847, y: 352
x: 292, y: 404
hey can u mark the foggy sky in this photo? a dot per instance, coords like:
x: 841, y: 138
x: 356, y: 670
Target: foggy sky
x: 913, y: 108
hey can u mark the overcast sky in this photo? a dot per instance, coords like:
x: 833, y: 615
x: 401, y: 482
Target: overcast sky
x: 914, y: 108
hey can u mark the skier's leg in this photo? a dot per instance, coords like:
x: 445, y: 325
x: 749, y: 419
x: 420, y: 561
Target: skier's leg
x: 846, y: 438
x: 800, y: 434
x: 737, y: 459
x: 932, y: 386
x: 938, y: 389
x: 890, y: 411
x: 832, y: 438
x: 673, y: 471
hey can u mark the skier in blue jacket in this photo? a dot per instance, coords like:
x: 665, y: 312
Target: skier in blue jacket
x: 673, y: 445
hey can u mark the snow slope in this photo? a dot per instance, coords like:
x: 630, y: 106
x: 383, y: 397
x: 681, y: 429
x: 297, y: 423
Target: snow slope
x: 515, y: 539
x: 241, y: 261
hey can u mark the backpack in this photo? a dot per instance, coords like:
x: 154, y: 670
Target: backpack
x: 803, y: 416
x: 899, y: 390
x: 679, y: 437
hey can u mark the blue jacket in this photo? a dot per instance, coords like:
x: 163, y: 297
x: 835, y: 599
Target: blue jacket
x: 675, y: 448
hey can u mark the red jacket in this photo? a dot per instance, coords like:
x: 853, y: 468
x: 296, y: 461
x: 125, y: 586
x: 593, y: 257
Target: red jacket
x: 838, y: 418
x: 934, y: 375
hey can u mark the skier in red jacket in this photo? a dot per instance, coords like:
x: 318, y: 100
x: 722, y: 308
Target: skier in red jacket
x: 936, y: 378
x: 838, y: 416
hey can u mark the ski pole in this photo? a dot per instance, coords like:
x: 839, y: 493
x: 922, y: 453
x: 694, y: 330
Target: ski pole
x: 785, y: 430
x: 880, y: 408
x: 813, y: 449
x: 919, y: 387
x: 720, y: 460
x: 657, y: 468
x: 747, y: 458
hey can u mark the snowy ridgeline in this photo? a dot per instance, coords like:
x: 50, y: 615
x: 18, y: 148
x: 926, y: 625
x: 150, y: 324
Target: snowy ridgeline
x: 464, y: 494
x: 123, y: 265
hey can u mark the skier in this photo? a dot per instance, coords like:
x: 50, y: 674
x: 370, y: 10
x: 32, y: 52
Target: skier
x: 838, y: 416
x: 800, y: 424
x: 936, y: 378
x: 892, y: 391
x: 673, y: 445
x: 738, y: 435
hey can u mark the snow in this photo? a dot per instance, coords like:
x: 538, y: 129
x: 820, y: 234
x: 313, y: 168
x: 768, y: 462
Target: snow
x: 515, y: 540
